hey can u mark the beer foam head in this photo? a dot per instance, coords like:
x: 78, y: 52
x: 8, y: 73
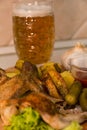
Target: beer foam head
x: 25, y: 10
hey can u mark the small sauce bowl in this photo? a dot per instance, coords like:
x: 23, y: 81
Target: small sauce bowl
x: 78, y: 68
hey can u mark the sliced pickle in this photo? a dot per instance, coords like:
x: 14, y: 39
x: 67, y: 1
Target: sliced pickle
x: 83, y: 99
x: 19, y: 64
x: 13, y: 73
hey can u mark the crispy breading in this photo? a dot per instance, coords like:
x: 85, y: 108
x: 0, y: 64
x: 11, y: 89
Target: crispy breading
x: 11, y: 88
x: 46, y: 108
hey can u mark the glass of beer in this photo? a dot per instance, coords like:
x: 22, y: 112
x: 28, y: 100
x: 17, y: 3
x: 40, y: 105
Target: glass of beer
x: 33, y: 30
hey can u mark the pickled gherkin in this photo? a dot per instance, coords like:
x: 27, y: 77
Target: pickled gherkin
x: 83, y: 99
x: 51, y: 66
x: 12, y: 74
x: 46, y: 67
x: 74, y: 93
x: 19, y: 64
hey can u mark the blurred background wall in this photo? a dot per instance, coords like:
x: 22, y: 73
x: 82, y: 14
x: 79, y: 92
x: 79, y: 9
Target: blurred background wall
x: 70, y: 20
x: 5, y: 22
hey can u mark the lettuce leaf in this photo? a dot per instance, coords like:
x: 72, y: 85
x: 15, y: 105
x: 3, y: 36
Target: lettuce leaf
x: 28, y: 119
x: 73, y: 126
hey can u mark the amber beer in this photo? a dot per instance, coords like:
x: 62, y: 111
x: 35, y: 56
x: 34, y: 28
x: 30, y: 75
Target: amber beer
x: 33, y: 33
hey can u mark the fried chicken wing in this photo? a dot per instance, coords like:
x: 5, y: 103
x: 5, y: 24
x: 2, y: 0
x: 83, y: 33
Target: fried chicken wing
x: 46, y: 108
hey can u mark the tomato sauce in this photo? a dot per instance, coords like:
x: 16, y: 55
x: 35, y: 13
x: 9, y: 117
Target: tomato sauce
x: 83, y: 81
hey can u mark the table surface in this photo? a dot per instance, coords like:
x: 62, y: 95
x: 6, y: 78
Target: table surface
x: 8, y: 55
